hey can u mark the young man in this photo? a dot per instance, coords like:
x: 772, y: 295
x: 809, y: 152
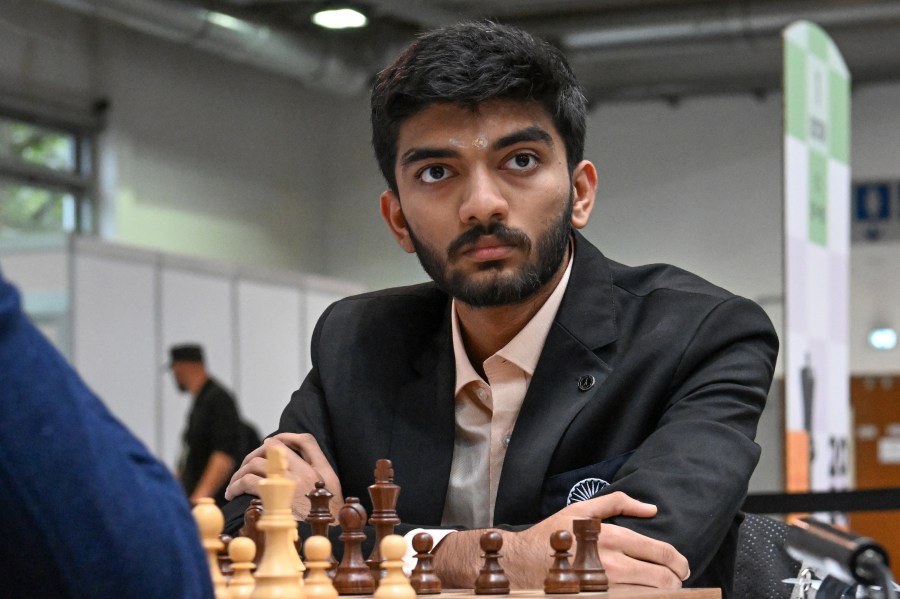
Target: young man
x: 534, y: 380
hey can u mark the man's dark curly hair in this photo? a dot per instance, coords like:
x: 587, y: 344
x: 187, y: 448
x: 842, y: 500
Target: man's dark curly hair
x: 470, y: 63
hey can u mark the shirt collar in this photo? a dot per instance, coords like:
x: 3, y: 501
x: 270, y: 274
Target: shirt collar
x: 523, y: 350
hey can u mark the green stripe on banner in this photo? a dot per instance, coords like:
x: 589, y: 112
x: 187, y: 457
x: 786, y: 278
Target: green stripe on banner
x: 795, y: 90
x: 818, y: 43
x: 818, y: 198
x: 839, y: 116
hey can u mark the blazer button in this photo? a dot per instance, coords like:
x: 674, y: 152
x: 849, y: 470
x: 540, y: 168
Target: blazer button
x: 586, y: 382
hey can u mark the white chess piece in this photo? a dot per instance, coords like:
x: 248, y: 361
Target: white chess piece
x: 394, y: 584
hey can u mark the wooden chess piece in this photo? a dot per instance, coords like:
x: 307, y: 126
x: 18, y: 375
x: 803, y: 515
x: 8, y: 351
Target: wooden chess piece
x: 394, y: 584
x: 353, y: 576
x: 491, y: 580
x: 241, y: 550
x: 384, y: 494
x: 587, y: 563
x: 318, y: 584
x: 224, y: 559
x: 251, y: 530
x: 423, y: 579
x: 561, y: 579
x: 319, y: 517
x: 210, y: 521
x: 280, y: 569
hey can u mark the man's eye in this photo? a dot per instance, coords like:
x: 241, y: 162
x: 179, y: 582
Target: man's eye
x: 433, y: 174
x: 522, y: 162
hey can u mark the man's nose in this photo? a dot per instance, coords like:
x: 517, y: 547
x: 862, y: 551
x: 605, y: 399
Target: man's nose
x: 484, y: 201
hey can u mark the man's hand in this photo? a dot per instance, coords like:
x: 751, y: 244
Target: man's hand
x: 628, y: 557
x: 306, y: 465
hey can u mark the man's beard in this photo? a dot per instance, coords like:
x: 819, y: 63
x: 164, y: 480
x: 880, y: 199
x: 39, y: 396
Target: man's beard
x: 505, y: 288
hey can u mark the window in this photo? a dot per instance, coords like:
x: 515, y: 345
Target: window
x: 46, y: 174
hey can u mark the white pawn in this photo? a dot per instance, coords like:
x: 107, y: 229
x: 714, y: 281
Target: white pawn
x: 210, y: 521
x: 241, y: 550
x: 394, y: 584
x: 318, y: 553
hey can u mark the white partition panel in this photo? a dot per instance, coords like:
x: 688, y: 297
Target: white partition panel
x: 272, y: 350
x: 196, y: 308
x: 42, y: 277
x: 114, y: 311
x: 39, y: 271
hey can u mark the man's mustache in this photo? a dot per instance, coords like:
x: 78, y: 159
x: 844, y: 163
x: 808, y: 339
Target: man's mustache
x: 501, y: 232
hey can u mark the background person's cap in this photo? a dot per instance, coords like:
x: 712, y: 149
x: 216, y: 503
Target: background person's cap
x: 188, y: 352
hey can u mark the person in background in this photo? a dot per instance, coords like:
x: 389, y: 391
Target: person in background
x: 86, y: 510
x: 212, y: 443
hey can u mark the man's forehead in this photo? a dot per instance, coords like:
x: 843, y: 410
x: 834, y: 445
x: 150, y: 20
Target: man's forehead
x: 471, y: 125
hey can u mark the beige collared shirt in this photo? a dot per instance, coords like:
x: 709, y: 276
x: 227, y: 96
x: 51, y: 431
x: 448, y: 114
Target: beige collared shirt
x: 486, y: 413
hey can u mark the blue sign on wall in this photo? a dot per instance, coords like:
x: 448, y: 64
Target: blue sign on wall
x: 876, y: 211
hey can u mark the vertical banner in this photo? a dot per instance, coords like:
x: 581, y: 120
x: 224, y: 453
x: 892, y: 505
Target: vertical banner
x: 817, y: 242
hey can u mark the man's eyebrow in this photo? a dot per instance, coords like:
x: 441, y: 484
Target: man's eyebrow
x: 417, y: 154
x: 527, y: 134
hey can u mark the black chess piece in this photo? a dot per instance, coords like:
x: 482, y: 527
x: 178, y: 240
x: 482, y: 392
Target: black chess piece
x: 423, y: 579
x: 561, y: 579
x: 491, y: 580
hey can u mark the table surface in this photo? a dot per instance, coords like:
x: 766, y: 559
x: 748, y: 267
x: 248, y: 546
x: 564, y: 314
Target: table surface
x: 628, y: 593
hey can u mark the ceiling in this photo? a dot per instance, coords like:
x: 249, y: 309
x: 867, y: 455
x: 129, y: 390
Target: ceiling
x: 621, y: 49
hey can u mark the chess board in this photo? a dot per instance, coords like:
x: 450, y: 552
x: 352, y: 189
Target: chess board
x: 276, y: 573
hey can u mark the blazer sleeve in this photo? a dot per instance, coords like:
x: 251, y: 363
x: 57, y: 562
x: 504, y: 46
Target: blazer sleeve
x: 695, y: 466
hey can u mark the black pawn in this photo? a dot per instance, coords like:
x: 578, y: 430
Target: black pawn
x: 561, y: 579
x: 492, y: 580
x: 423, y: 579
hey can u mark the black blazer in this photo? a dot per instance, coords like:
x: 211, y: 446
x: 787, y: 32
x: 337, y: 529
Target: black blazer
x: 651, y: 380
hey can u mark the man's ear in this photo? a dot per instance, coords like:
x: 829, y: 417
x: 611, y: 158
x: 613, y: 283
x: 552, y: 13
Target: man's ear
x: 584, y: 183
x: 396, y: 221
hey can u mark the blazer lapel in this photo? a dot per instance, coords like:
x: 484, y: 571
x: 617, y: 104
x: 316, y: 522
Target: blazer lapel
x: 569, y: 374
x: 423, y: 430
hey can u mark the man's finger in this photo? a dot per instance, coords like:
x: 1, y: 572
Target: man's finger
x: 614, y: 504
x: 309, y: 448
x: 622, y: 541
x: 624, y: 570
x: 249, y: 484
x: 256, y: 453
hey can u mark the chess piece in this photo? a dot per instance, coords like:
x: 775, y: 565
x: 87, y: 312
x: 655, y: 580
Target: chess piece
x: 210, y: 521
x: 319, y: 516
x: 241, y: 550
x: 587, y: 563
x: 561, y: 579
x: 394, y: 584
x: 491, y: 580
x: 280, y: 569
x: 224, y: 559
x: 251, y: 530
x: 353, y: 576
x: 423, y: 579
x: 384, y: 517
x: 318, y: 584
